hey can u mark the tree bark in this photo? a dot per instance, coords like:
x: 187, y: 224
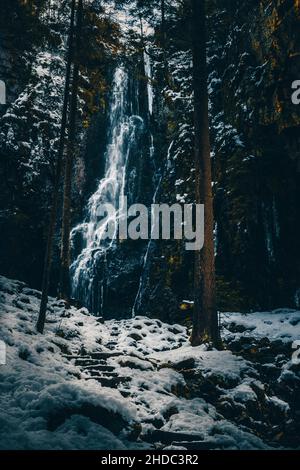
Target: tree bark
x: 205, y: 321
x: 58, y: 169
x: 163, y: 24
x: 163, y: 39
x: 67, y: 203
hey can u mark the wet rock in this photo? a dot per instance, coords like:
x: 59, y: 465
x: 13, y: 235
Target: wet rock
x: 184, y: 364
x: 295, y: 321
x: 174, y: 330
x: 198, y: 386
x: 135, y: 336
x: 98, y: 414
x: 270, y: 371
x: 237, y: 328
x: 156, y: 422
x: 100, y: 320
x: 170, y: 411
x: 230, y: 409
x: 84, y: 311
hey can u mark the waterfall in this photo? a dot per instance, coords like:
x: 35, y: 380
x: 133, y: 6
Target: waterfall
x: 138, y: 298
x: 139, y: 295
x: 148, y: 72
x: 111, y: 189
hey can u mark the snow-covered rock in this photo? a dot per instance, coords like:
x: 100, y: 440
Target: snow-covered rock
x: 133, y: 383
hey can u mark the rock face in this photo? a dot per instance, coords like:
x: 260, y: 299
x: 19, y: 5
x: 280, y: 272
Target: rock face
x: 24, y: 126
x: 253, y: 60
x: 256, y: 147
x: 33, y: 69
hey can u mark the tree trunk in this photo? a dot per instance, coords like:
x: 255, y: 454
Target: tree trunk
x: 205, y: 321
x: 58, y: 168
x: 163, y: 24
x: 67, y: 204
x: 163, y: 40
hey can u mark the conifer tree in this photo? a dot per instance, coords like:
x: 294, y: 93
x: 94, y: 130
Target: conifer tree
x: 205, y: 321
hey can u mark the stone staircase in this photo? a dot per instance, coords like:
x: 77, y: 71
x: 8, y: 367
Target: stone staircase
x: 95, y: 367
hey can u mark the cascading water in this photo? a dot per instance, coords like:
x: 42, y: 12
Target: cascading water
x: 148, y: 72
x: 145, y: 268
x: 87, y: 286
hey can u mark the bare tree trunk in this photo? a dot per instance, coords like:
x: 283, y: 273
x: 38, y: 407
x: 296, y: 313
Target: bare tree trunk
x: 58, y: 168
x: 163, y: 24
x: 67, y: 203
x: 163, y: 40
x: 205, y: 321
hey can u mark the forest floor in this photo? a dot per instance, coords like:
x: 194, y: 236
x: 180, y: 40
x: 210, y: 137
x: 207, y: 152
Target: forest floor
x: 138, y: 384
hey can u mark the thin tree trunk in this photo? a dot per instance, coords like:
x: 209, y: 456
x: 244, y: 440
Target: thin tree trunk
x: 163, y: 24
x: 66, y: 216
x: 58, y: 168
x: 164, y: 40
x: 205, y: 321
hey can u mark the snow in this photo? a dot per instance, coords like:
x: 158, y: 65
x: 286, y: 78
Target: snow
x: 281, y: 324
x: 38, y: 381
x: 280, y: 403
x: 48, y: 401
x: 196, y: 417
x: 222, y: 364
x: 75, y: 434
x: 243, y: 393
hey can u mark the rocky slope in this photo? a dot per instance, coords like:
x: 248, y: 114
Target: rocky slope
x: 133, y: 384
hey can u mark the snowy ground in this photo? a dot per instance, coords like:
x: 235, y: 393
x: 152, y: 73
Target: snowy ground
x: 139, y: 384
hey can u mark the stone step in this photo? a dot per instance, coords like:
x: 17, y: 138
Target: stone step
x: 90, y: 362
x: 96, y: 373
x: 76, y: 356
x: 111, y: 382
x: 98, y: 367
x: 105, y: 355
x: 169, y: 437
x: 112, y: 347
x: 198, y: 445
x: 125, y: 393
x: 94, y: 355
